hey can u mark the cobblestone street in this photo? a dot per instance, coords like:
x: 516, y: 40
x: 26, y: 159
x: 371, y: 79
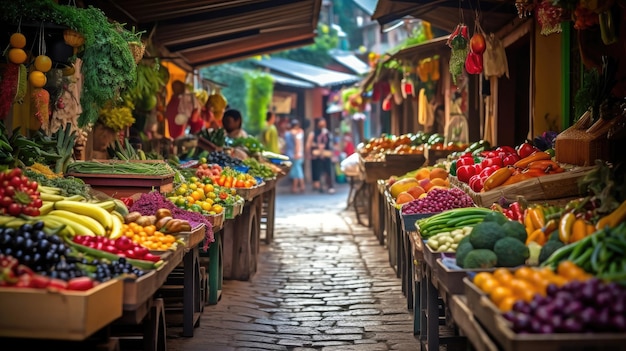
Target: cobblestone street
x: 324, y: 284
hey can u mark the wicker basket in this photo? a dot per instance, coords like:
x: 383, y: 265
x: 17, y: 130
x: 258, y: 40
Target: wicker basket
x: 583, y: 143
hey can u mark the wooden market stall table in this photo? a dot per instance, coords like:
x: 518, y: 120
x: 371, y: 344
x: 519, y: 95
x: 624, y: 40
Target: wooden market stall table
x: 373, y: 171
x: 241, y: 237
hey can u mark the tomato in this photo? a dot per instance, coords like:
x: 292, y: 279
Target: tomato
x: 6, y: 201
x: 16, y: 182
x: 526, y: 149
x: 15, y: 209
x: 477, y: 43
x: 33, y: 185
x: 15, y: 172
x: 464, y: 161
x: 464, y: 173
x: 507, y: 149
x: 510, y: 160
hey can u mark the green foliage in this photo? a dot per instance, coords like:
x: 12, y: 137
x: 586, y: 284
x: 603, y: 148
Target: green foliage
x: 231, y: 75
x: 315, y: 54
x: 108, y: 65
x: 259, y: 90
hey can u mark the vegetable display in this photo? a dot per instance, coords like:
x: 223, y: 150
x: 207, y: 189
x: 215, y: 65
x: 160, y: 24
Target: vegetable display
x: 438, y: 200
x: 450, y: 220
x: 18, y: 194
x: 98, y: 167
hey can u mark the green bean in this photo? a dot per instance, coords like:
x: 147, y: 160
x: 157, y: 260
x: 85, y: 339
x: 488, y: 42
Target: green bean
x: 96, y: 167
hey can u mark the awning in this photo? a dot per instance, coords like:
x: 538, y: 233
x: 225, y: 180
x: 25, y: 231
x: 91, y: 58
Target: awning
x: 198, y: 33
x: 444, y: 14
x: 319, y: 76
x: 368, y: 6
x: 350, y: 61
x: 291, y: 82
x: 422, y: 50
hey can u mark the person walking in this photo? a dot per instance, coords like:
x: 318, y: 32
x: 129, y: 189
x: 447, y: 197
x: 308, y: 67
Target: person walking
x: 319, y: 148
x: 294, y: 149
x: 269, y: 136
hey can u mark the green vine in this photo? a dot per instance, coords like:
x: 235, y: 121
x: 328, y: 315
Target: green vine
x: 108, y: 65
x: 259, y: 90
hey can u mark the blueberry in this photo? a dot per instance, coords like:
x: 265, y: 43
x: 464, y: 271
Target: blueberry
x: 18, y: 254
x: 64, y: 276
x: 54, y: 274
x: 27, y: 227
x: 18, y: 241
x: 38, y: 225
x: 29, y: 244
x: 122, y: 260
x: 5, y: 238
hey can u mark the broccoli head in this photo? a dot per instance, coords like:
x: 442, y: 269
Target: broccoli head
x: 510, y: 252
x: 497, y: 217
x: 480, y: 258
x: 516, y: 230
x: 463, y: 248
x: 548, y: 249
x: 484, y: 235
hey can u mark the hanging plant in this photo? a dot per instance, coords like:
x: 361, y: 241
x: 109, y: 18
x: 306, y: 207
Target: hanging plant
x: 259, y: 88
x: 108, y: 66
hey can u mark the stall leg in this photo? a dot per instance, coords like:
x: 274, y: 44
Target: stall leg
x: 216, y: 269
x: 155, y: 330
x: 191, y: 296
x: 268, y: 214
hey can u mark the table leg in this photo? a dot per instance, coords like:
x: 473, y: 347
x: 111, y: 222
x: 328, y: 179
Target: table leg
x: 190, y: 290
x: 216, y: 268
x: 433, y: 315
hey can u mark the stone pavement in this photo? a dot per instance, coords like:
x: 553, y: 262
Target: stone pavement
x: 324, y: 284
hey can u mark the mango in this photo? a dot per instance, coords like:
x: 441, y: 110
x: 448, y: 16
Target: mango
x: 402, y: 185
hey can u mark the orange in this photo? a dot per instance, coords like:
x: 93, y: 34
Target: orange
x: 499, y: 293
x: 527, y: 295
x: 37, y: 79
x: 523, y: 273
x: 490, y: 285
x: 149, y: 229
x: 404, y: 197
x: 18, y: 40
x: 43, y: 63
x: 571, y: 271
x: 422, y: 173
x: 438, y: 173
x: 520, y: 287
x: 17, y: 56
x: 480, y: 278
x: 416, y: 191
x: 503, y: 275
x: 559, y: 280
x: 440, y: 182
x: 507, y: 304
x: 218, y: 209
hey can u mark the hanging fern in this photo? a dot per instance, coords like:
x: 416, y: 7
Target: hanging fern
x: 259, y: 90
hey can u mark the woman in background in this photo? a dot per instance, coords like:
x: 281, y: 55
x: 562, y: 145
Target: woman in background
x: 294, y: 149
x: 232, y: 124
x: 319, y: 148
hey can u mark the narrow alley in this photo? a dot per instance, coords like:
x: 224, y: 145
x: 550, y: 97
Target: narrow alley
x: 324, y: 284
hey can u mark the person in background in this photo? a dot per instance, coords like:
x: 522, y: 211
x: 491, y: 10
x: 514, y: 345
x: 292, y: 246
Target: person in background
x: 294, y: 148
x: 319, y: 147
x: 175, y: 124
x: 269, y: 136
x: 233, y: 124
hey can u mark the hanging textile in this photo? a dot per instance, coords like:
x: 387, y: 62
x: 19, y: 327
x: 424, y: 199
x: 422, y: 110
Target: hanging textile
x: 425, y: 115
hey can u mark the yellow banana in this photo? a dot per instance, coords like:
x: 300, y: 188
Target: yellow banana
x: 5, y: 219
x: 116, y: 229
x: 107, y: 205
x: 92, y: 210
x: 51, y: 223
x: 46, y: 208
x: 76, y: 197
x: 118, y: 215
x: 78, y: 228
x: 48, y: 190
x: 87, y: 221
x: 51, y: 197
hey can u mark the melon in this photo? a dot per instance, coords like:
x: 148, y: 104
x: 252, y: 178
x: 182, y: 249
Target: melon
x: 402, y: 185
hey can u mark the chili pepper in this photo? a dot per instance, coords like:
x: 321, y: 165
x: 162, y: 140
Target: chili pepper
x: 579, y: 230
x: 537, y: 236
x: 614, y: 218
x: 535, y: 156
x: 497, y: 178
x: 544, y: 165
x: 474, y: 63
x: 537, y: 217
x: 517, y: 210
x: 128, y: 201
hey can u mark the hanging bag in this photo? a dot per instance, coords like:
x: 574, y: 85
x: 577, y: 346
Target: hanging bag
x: 494, y: 62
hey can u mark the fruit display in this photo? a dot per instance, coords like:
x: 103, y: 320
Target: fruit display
x: 18, y: 194
x: 376, y: 148
x: 438, y: 200
x: 215, y: 136
x: 450, y: 220
x: 495, y: 242
x: 149, y: 204
x: 203, y: 196
x: 17, y: 275
x: 415, y: 184
x: 258, y: 169
x: 509, y: 288
x: 223, y: 159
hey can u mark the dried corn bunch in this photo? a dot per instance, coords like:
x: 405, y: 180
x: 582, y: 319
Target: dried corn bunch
x: 44, y: 170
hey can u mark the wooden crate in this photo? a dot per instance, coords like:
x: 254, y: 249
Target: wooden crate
x: 582, y: 144
x: 544, y: 188
x: 499, y: 328
x: 68, y: 315
x: 451, y: 280
x: 193, y: 237
x: 408, y: 220
x: 250, y: 193
x: 216, y: 220
x: 138, y: 291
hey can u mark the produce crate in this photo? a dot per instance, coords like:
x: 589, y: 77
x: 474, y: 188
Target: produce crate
x: 248, y: 194
x: 138, y: 290
x: 408, y: 220
x: 206, y: 145
x: 125, y: 185
x: 430, y: 256
x: 415, y: 160
x: 489, y: 315
x: 68, y: 315
x: 451, y: 279
x: 234, y: 210
x: 217, y: 220
x: 544, y: 188
x: 375, y: 170
x: 193, y: 237
x: 432, y: 155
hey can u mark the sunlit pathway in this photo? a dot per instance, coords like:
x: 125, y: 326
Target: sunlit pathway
x: 323, y: 284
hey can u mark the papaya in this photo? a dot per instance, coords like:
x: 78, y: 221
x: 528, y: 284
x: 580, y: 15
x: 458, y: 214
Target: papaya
x: 402, y: 185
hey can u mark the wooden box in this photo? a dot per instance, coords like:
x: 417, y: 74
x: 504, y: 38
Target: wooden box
x: 250, y: 193
x: 68, y: 315
x: 217, y: 220
x: 583, y: 143
x: 408, y: 220
x: 451, y: 280
x: 499, y: 328
x: 138, y: 291
x: 193, y: 237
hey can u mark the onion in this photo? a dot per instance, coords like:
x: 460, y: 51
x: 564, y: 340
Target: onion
x: 521, y: 306
x: 619, y: 322
x: 552, y: 289
x: 603, y: 299
x: 521, y: 323
x: 588, y: 316
x: 573, y: 308
x: 571, y: 325
x: 557, y: 323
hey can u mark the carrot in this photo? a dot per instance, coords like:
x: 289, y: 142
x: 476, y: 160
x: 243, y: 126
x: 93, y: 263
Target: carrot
x: 535, y: 156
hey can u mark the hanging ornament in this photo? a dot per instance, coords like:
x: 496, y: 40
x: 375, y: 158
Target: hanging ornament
x: 408, y: 89
x: 524, y: 8
x: 387, y: 102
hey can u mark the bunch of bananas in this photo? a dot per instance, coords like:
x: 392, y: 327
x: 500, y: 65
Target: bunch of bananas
x: 79, y: 217
x: 202, y: 96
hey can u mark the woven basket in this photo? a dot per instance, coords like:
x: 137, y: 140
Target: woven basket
x: 137, y: 49
x: 583, y: 143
